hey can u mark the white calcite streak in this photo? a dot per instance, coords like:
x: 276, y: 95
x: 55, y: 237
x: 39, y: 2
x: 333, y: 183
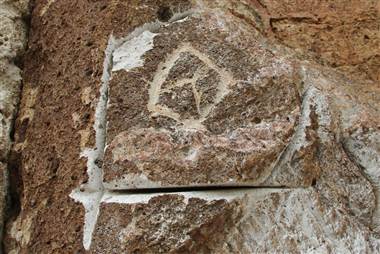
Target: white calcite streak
x: 268, y: 211
x: 208, y: 195
x: 120, y: 54
x: 129, y: 54
x: 91, y: 193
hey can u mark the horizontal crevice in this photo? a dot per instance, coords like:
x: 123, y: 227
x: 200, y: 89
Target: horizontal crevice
x: 199, y: 188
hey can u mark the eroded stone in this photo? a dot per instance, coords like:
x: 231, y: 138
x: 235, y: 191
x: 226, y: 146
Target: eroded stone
x: 364, y: 147
x: 195, y: 115
x: 340, y: 34
x: 12, y: 44
x: 254, y: 221
x: 13, y: 32
x: 10, y: 83
x: 204, y: 85
x: 3, y: 194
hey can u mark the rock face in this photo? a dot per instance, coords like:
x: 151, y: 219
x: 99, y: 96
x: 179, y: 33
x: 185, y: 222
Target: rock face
x: 198, y: 127
x: 259, y: 221
x: 3, y: 194
x: 339, y: 34
x: 196, y: 115
x: 12, y: 44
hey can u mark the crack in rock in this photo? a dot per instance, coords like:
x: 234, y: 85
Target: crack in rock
x: 126, y: 54
x: 118, y: 54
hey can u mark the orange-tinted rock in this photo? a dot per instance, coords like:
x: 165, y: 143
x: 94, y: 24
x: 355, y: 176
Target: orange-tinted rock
x: 343, y: 35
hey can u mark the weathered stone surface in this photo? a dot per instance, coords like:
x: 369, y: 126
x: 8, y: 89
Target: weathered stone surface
x: 123, y: 95
x: 162, y: 222
x: 22, y: 6
x: 59, y: 98
x: 197, y: 113
x: 10, y: 83
x: 257, y: 221
x: 13, y: 33
x: 12, y: 45
x: 3, y: 185
x: 343, y: 35
x: 364, y: 147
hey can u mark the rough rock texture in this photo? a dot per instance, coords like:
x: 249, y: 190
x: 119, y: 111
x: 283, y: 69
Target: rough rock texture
x: 2, y: 197
x: 261, y: 221
x: 12, y: 44
x: 196, y: 115
x: 191, y: 98
x: 342, y: 34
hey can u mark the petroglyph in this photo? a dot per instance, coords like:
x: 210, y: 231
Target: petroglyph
x: 218, y: 132
x: 197, y: 94
x: 117, y: 57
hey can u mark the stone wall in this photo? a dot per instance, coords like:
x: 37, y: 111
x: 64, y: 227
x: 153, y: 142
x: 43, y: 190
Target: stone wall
x: 179, y: 126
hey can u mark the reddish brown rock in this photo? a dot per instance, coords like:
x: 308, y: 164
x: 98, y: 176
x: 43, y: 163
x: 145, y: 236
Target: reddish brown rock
x: 125, y: 95
x: 163, y: 224
x: 343, y: 35
x: 203, y: 108
x: 256, y: 221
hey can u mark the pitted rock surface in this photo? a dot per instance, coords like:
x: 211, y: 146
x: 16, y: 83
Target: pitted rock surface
x: 195, y: 115
x: 261, y: 221
x: 242, y: 126
x: 13, y: 37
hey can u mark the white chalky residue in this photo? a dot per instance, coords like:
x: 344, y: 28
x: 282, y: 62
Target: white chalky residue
x: 91, y: 193
x: 209, y: 195
x: 192, y: 156
x: 182, y: 20
x: 131, y: 181
x: 91, y: 202
x: 129, y: 54
x: 180, y: 17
